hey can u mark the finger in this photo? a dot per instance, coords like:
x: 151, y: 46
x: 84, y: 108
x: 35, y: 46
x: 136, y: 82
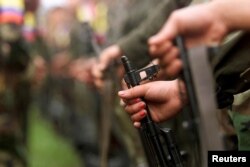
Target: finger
x: 134, y: 108
x: 130, y: 102
x: 137, y: 124
x: 138, y: 116
x: 108, y: 55
x: 170, y: 56
x: 122, y: 103
x: 174, y: 68
x: 161, y: 49
x: 101, y: 66
x: 135, y: 92
x: 99, y: 83
x: 96, y: 71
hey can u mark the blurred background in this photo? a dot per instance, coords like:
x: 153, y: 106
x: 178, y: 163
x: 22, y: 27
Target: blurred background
x: 50, y: 111
x: 47, y: 148
x: 63, y: 121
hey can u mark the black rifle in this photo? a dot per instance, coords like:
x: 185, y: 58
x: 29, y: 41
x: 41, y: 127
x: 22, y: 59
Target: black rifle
x: 152, y: 136
x: 191, y: 110
x: 198, y: 78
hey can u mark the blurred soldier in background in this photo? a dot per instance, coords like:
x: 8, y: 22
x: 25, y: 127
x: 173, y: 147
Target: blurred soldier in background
x: 59, y: 92
x: 92, y: 23
x: 73, y: 105
x: 121, y: 140
x: 14, y: 82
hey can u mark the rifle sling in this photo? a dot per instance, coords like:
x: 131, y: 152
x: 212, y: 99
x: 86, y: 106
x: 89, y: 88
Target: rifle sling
x: 210, y: 131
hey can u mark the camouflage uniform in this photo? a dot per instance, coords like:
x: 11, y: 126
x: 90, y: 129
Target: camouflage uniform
x: 241, y: 118
x: 14, y: 86
x: 231, y: 68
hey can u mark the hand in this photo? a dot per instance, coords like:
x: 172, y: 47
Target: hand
x: 200, y: 24
x: 40, y: 71
x: 162, y: 98
x: 80, y: 70
x: 60, y: 63
x: 111, y: 53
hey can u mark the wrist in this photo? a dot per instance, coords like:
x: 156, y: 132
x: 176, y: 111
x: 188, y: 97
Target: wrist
x: 221, y: 10
x: 220, y: 21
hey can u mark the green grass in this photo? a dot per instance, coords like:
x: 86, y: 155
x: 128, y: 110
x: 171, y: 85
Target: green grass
x: 46, y: 148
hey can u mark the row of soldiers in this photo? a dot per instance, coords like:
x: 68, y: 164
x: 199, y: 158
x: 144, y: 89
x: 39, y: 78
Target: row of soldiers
x: 24, y: 53
x: 57, y: 61
x: 49, y: 65
x: 15, y: 81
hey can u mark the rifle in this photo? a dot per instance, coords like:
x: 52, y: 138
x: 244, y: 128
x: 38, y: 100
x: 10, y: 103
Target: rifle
x: 201, y: 110
x: 198, y: 78
x: 152, y: 136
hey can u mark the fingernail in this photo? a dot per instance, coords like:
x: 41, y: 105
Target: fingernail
x: 137, y: 124
x: 121, y: 93
x: 122, y: 103
x: 142, y: 105
x: 142, y: 113
x: 137, y: 100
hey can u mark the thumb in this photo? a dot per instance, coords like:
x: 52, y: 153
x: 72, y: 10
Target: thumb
x: 135, y: 92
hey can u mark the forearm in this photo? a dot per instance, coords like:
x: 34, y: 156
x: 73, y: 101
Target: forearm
x: 234, y: 13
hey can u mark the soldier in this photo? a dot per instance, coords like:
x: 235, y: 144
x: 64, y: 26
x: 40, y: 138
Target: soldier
x: 58, y: 94
x: 73, y: 106
x: 15, y: 85
x: 92, y: 15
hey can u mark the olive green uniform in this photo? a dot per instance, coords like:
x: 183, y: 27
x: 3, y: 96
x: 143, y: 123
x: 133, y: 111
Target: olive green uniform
x: 14, y: 96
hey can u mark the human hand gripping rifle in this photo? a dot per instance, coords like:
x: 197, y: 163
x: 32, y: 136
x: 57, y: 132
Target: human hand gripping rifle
x: 158, y: 143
